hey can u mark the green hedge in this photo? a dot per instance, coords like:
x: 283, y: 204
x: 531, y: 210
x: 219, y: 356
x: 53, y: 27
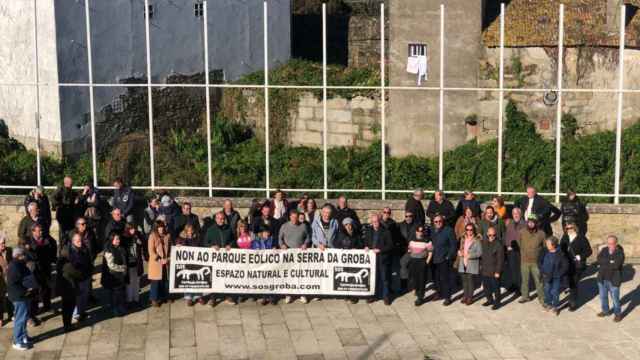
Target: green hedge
x: 239, y: 161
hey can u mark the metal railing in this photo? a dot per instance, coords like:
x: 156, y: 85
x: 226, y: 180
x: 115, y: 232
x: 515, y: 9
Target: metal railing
x: 266, y: 86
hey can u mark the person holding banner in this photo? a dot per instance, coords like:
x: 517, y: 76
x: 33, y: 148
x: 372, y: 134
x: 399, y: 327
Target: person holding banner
x: 294, y: 235
x: 219, y: 235
x: 189, y: 237
x: 264, y: 241
x: 158, y: 263
x: 378, y: 239
x: 349, y: 239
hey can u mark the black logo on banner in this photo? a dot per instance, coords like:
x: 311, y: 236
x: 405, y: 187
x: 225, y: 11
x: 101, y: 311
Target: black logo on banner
x: 190, y: 276
x: 354, y: 279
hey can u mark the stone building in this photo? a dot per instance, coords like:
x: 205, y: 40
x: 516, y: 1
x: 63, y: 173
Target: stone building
x: 235, y: 39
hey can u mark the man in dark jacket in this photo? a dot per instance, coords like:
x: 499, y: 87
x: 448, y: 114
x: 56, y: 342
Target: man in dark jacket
x: 443, y: 207
x: 378, y: 239
x: 414, y: 206
x: 33, y: 217
x: 219, y: 235
x: 343, y: 211
x: 491, y: 264
x: 406, y: 233
x: 123, y: 199
x: 115, y: 225
x: 444, y: 252
x: 186, y: 217
x: 574, y: 211
x: 18, y: 293
x: 610, y: 260
x: 232, y: 216
x: 64, y: 203
x: 554, y: 267
x: 266, y: 220
x: 38, y: 196
x: 577, y: 249
x: 541, y: 208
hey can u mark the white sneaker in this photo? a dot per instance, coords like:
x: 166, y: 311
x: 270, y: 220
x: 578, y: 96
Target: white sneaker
x: 287, y: 299
x: 303, y: 299
x: 20, y: 347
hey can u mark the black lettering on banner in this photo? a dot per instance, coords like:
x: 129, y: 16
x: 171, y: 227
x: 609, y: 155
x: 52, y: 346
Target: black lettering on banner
x: 184, y: 255
x: 332, y: 258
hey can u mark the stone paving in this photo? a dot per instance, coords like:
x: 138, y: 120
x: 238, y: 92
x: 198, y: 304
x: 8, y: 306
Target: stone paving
x: 335, y: 329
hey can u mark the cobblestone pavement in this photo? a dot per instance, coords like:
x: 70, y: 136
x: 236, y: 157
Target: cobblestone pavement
x: 335, y: 329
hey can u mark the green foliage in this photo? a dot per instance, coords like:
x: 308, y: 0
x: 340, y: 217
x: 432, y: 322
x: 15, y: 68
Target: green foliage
x: 238, y: 160
x: 569, y: 127
x: 517, y: 69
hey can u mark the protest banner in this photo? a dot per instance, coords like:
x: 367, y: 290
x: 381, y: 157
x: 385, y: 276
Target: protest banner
x: 290, y: 272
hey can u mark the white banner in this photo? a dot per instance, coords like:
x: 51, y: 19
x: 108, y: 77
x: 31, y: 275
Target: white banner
x: 290, y: 272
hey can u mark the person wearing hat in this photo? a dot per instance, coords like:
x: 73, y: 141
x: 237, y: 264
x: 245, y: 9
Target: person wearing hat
x: 553, y: 266
x: 531, y: 242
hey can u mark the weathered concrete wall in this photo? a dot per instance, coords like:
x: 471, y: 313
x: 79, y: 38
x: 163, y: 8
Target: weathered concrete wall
x: 364, y: 40
x: 18, y: 105
x: 354, y: 122
x: 584, y: 68
x: 418, y: 21
x: 621, y: 220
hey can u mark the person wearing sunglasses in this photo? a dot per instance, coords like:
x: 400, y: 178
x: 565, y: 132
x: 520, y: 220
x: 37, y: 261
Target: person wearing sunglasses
x: 491, y: 264
x: 469, y: 261
x: 577, y: 249
x: 444, y: 252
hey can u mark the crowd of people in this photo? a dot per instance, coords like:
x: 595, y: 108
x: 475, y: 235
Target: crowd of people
x: 504, y: 248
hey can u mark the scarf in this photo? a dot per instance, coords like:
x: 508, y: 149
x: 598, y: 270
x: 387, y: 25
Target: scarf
x: 467, y: 245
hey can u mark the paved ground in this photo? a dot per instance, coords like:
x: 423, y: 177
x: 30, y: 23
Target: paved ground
x: 334, y: 329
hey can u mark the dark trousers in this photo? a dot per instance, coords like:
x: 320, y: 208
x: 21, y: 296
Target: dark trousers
x: 42, y: 295
x: 68, y: 305
x: 513, y: 267
x: 5, y: 306
x: 383, y: 277
x: 468, y: 285
x: 417, y: 274
x: 574, y: 281
x: 443, y: 279
x: 158, y: 290
x: 118, y: 299
x: 491, y: 288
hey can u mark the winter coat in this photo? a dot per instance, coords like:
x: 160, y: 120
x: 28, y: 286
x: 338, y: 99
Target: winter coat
x: 407, y: 231
x: 559, y: 266
x: 24, y: 228
x: 472, y: 204
x: 341, y: 214
x: 531, y: 243
x: 579, y: 246
x: 259, y: 243
x: 492, y: 259
x: 445, y: 245
x: 512, y: 233
x: 232, y: 219
x: 43, y: 205
x: 574, y: 211
x: 219, y: 235
x: 42, y: 255
x: 150, y: 217
x: 114, y: 267
x: 64, y: 203
x: 318, y: 236
x: 159, y: 249
x: 445, y: 208
x: 18, y: 272
x: 113, y: 227
x: 181, y: 220
x: 272, y: 224
x: 384, y: 242
x: 416, y: 208
x: 611, y: 265
x: 134, y: 246
x: 123, y: 199
x: 347, y: 242
x: 546, y: 212
x: 497, y: 223
x: 473, y: 262
x: 459, y: 229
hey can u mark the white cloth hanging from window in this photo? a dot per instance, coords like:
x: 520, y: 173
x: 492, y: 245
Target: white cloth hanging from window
x: 412, y: 65
x: 422, y: 68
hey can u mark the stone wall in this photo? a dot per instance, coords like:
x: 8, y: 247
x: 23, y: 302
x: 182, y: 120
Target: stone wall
x: 584, y: 68
x: 621, y: 220
x: 349, y: 121
x: 364, y: 40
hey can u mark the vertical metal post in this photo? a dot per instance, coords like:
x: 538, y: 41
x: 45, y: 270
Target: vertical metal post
x: 623, y: 16
x: 382, y: 102
x: 37, y: 78
x: 87, y: 22
x: 149, y: 95
x: 266, y: 96
x: 207, y: 95
x: 559, y: 105
x: 441, y: 105
x: 501, y: 100
x: 324, y: 99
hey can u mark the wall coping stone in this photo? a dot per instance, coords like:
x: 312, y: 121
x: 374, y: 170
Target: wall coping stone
x: 356, y: 204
